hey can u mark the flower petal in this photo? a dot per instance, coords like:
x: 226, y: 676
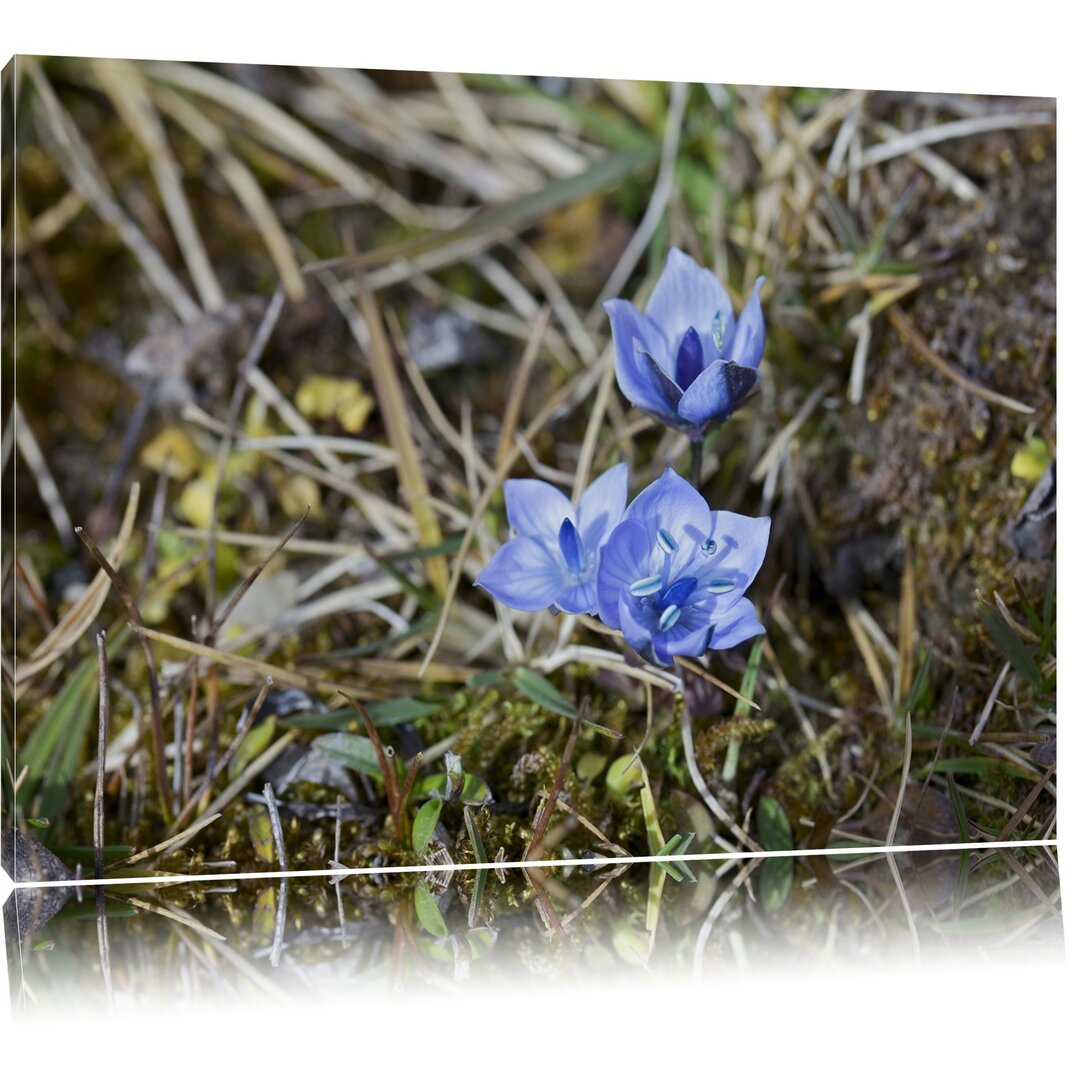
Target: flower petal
x: 535, y: 508
x: 740, y: 547
x: 524, y: 574
x: 689, y: 637
x: 623, y: 560
x: 602, y: 506
x: 739, y: 624
x: 671, y: 503
x: 579, y: 599
x: 639, y: 635
x: 688, y: 295
x: 636, y: 337
x: 748, y: 343
x: 717, y: 392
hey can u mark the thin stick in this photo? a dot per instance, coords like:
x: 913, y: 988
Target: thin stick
x: 410, y: 777
x: 1025, y: 806
x: 500, y: 474
x: 921, y: 346
x: 389, y: 772
x: 254, y: 354
x: 99, y: 815
x: 250, y: 579
x: 157, y: 728
x: 223, y: 763
x: 891, y: 836
x: 556, y: 787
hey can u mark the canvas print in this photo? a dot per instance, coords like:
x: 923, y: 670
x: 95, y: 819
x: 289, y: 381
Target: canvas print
x: 460, y: 528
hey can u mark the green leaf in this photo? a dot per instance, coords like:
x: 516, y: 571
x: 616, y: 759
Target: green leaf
x: 251, y: 746
x: 1010, y: 643
x: 382, y: 713
x: 474, y: 791
x: 481, y: 875
x: 775, y: 883
x: 427, y: 911
x: 356, y: 751
x: 427, y: 817
x: 773, y: 826
x: 52, y: 753
x: 749, y: 679
x: 533, y: 685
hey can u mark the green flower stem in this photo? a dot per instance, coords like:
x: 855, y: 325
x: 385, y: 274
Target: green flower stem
x: 696, y: 448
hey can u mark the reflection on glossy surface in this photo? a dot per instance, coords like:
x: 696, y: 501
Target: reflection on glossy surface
x: 311, y: 937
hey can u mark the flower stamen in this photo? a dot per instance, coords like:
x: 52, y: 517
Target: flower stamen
x: 666, y: 541
x: 669, y: 617
x: 646, y: 586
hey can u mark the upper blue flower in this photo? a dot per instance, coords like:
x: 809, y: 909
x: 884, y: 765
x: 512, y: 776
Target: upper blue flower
x: 687, y: 361
x: 673, y: 573
x: 554, y: 557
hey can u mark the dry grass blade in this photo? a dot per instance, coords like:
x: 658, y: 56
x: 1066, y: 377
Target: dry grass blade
x: 99, y: 816
x: 23, y: 437
x: 279, y: 128
x: 955, y: 129
x: 250, y: 360
x: 171, y: 844
x: 921, y: 346
x: 85, y: 176
x: 77, y: 620
x: 1025, y: 806
x: 125, y: 85
x: 697, y: 669
x: 395, y: 416
x: 244, y: 185
x: 554, y: 404
x: 906, y: 648
x: 516, y: 398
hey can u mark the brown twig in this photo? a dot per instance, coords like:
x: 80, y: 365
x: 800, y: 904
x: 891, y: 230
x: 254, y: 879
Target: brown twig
x: 403, y: 813
x: 907, y: 331
x: 223, y: 762
x: 157, y: 729
x: 556, y: 787
x: 388, y: 770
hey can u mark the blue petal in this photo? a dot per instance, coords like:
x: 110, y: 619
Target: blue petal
x: 717, y: 392
x: 690, y: 359
x: 535, y: 508
x: 638, y: 634
x: 578, y: 599
x: 636, y: 338
x: 688, y: 295
x: 623, y: 560
x: 748, y: 344
x: 686, y: 639
x: 671, y: 503
x: 524, y: 574
x: 739, y: 624
x: 740, y: 547
x: 602, y: 506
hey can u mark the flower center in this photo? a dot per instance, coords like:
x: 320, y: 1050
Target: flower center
x: 570, y: 546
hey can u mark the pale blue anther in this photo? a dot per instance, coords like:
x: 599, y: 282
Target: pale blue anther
x: 719, y: 327
x: 666, y: 541
x: 669, y: 617
x: 646, y: 586
x: 719, y: 586
x: 570, y: 546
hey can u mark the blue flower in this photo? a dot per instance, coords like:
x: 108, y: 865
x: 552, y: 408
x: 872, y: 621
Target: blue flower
x: 673, y: 573
x: 687, y: 361
x: 554, y: 557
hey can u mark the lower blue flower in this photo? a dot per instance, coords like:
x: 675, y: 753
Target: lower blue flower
x: 673, y: 573
x: 554, y: 558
